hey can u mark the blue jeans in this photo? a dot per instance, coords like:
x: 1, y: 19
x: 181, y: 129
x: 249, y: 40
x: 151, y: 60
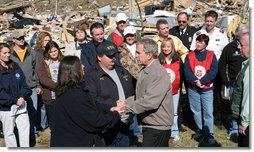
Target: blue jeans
x: 134, y: 129
x: 201, y: 104
x: 174, y: 129
x: 40, y: 110
x: 233, y: 125
x: 121, y: 140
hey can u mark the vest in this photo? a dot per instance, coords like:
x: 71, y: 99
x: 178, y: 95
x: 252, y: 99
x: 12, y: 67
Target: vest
x: 200, y: 68
x: 173, y: 71
x: 118, y: 40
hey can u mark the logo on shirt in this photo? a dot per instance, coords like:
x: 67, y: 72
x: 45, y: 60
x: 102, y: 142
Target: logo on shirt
x: 236, y: 53
x: 199, y: 71
x: 171, y: 75
x: 17, y: 75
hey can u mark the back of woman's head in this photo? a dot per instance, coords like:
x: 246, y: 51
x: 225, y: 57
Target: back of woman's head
x: 48, y: 47
x: 69, y: 74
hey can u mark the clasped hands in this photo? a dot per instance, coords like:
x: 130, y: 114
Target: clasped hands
x: 198, y: 84
x: 120, y: 107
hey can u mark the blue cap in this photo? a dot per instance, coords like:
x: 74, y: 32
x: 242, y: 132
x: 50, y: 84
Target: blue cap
x: 108, y: 48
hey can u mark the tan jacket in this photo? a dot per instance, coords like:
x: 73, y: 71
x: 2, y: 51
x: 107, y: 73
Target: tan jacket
x: 128, y: 61
x: 179, y: 47
x: 154, y: 102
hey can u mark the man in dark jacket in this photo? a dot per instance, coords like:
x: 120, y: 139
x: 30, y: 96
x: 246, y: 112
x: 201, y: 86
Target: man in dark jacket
x: 183, y: 30
x: 108, y: 82
x: 229, y: 66
x: 88, y: 56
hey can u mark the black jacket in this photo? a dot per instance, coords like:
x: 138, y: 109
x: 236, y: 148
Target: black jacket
x: 231, y: 61
x: 104, y: 91
x: 77, y: 122
x: 186, y: 38
x: 103, y: 88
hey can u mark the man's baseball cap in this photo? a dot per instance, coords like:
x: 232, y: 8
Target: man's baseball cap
x: 129, y: 30
x: 17, y: 34
x: 108, y: 48
x: 121, y: 17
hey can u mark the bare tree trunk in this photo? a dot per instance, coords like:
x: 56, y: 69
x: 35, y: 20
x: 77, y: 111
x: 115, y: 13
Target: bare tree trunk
x: 56, y: 8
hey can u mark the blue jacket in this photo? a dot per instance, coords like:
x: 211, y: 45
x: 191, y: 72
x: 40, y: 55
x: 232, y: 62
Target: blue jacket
x: 12, y: 86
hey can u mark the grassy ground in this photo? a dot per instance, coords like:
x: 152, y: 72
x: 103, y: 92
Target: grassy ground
x: 185, y: 142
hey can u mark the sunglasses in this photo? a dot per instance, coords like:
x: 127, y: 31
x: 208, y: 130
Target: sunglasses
x: 182, y: 21
x: 111, y: 56
x: 20, y: 38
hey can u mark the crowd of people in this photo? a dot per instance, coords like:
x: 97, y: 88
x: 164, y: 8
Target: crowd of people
x: 120, y: 90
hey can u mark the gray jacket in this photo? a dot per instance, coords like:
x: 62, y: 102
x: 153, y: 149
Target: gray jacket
x: 154, y: 102
x: 29, y: 66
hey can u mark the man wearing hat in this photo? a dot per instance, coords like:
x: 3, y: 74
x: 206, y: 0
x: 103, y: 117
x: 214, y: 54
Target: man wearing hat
x: 107, y: 82
x: 117, y: 35
x: 127, y: 51
x: 27, y: 59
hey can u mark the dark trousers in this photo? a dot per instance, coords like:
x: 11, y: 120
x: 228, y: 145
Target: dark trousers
x: 155, y: 138
x: 49, y: 112
x: 243, y: 140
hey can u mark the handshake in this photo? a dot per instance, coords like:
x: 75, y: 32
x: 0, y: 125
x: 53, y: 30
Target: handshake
x: 123, y: 110
x: 120, y: 107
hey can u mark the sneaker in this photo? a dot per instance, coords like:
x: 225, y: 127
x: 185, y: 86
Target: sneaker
x: 176, y: 138
x: 210, y: 140
x: 198, y: 136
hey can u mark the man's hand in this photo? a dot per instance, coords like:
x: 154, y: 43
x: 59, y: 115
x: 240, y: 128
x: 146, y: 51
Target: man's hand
x: 21, y: 101
x: 38, y: 90
x: 120, y: 103
x: 242, y: 129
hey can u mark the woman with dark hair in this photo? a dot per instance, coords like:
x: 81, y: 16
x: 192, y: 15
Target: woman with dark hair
x: 200, y: 69
x: 47, y: 73
x: 13, y: 91
x: 174, y: 66
x: 77, y: 122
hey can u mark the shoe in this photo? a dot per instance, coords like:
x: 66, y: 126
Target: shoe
x: 198, y: 136
x: 1, y: 134
x: 233, y: 137
x: 181, y: 129
x: 176, y: 138
x: 210, y: 140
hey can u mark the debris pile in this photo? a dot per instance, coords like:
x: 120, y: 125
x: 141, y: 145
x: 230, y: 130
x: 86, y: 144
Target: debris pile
x: 59, y: 17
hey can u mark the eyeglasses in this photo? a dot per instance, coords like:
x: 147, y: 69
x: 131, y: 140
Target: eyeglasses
x: 110, y: 56
x: 20, y: 38
x: 182, y: 21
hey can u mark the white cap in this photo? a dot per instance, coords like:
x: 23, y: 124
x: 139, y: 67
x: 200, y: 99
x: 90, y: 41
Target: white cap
x: 121, y: 17
x: 129, y: 30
